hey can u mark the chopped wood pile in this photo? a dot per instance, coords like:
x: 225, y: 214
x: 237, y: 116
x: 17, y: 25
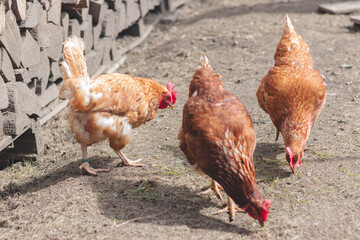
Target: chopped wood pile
x: 31, y: 36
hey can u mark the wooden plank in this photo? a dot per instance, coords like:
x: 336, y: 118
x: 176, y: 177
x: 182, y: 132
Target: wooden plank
x: 19, y: 8
x: 4, y: 100
x: 53, y: 112
x: 2, y: 18
x: 96, y: 33
x: 340, y: 7
x: 54, y: 12
x: 5, y: 141
x: 30, y: 51
x: 11, y: 39
x: 355, y: 19
x: 6, y: 67
x: 144, y: 7
x: 34, y: 13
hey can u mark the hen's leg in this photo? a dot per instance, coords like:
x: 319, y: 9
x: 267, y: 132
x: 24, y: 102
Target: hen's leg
x: 85, y: 165
x: 126, y: 161
x: 215, y: 187
x: 231, y: 208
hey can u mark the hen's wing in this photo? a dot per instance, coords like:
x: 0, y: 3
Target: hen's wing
x: 299, y: 93
x: 220, y: 140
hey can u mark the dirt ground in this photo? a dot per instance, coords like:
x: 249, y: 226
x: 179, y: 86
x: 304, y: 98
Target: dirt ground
x: 52, y: 199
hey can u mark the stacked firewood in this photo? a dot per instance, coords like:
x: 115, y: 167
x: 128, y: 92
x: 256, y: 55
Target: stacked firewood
x: 31, y: 36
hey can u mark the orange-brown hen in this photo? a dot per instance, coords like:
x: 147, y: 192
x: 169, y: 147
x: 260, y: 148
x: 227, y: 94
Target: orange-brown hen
x: 218, y: 139
x: 109, y: 106
x: 292, y: 93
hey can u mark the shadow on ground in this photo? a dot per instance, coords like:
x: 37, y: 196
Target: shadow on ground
x: 148, y: 201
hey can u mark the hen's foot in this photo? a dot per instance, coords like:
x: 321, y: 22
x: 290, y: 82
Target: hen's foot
x: 215, y: 187
x: 231, y: 209
x: 92, y: 171
x: 127, y: 162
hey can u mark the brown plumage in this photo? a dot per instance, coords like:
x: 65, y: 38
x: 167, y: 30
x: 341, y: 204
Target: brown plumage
x: 218, y: 139
x: 109, y: 106
x: 292, y: 93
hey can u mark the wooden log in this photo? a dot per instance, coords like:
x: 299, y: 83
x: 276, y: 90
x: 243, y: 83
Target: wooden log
x: 49, y: 95
x: 6, y: 67
x: 22, y: 99
x: 50, y: 38
x: 11, y: 39
x: 7, y: 4
x: 4, y: 100
x: 65, y: 24
x: 19, y: 8
x: 96, y: 33
x: 15, y: 123
x: 30, y: 53
x: 40, y: 72
x: 87, y: 34
x: 22, y: 75
x: 340, y: 7
x: 93, y: 61
x: 54, y: 12
x: 79, y: 14
x: 120, y: 20
x: 31, y: 141
x: 108, y: 26
x: 74, y: 27
x: 34, y: 14
x: 2, y: 18
x: 97, y: 10
x: 355, y: 19
x: 144, y: 7
x: 75, y: 4
x: 55, y: 72
x: 132, y: 11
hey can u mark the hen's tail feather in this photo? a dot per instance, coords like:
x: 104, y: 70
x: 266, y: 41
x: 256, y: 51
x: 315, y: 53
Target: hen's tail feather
x: 288, y: 27
x: 74, y: 65
x: 74, y: 69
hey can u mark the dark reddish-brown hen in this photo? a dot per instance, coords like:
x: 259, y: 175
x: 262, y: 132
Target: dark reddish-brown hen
x: 218, y: 139
x: 292, y: 93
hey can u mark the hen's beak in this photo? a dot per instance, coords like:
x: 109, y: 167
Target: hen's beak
x: 261, y: 222
x: 172, y: 106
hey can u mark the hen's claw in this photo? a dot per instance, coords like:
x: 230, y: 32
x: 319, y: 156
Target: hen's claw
x: 215, y: 187
x: 130, y: 163
x: 231, y: 209
x: 126, y: 161
x: 92, y: 171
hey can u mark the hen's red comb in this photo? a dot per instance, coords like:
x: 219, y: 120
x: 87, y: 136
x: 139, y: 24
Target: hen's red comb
x: 171, y: 87
x: 265, y: 209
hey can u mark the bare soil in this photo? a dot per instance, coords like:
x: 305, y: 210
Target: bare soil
x: 52, y: 199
